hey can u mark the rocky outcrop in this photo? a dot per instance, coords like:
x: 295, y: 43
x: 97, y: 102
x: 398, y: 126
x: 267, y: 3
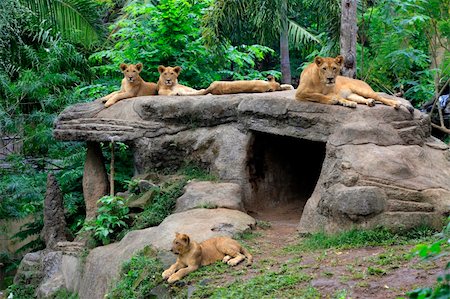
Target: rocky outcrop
x: 358, y: 167
x: 54, y: 230
x: 95, y: 179
x: 50, y: 270
x: 210, y: 195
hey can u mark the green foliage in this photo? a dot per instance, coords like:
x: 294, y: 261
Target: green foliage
x: 110, y: 220
x: 64, y: 293
x: 77, y: 20
x: 163, y: 203
x: 436, y: 250
x: 21, y: 291
x: 401, y: 43
x: 361, y: 238
x: 267, y: 285
x: 169, y: 33
x: 139, y: 276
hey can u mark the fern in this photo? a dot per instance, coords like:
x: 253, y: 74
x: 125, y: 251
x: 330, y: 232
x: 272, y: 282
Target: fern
x: 77, y: 20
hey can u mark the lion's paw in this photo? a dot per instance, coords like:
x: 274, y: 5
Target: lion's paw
x: 173, y: 278
x: 370, y: 102
x: 232, y: 263
x: 349, y: 104
x: 333, y: 101
x: 166, y: 274
x: 226, y: 258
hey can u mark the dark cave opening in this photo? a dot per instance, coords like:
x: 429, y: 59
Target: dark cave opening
x: 283, y: 172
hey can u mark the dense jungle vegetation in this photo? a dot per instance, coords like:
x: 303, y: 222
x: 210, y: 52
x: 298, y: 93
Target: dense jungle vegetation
x: 55, y: 53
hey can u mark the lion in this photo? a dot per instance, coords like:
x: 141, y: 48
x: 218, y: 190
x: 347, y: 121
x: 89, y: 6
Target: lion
x: 192, y: 255
x: 168, y: 82
x: 132, y: 85
x: 320, y: 82
x: 245, y: 86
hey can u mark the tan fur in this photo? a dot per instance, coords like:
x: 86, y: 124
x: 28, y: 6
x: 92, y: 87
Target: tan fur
x: 320, y: 82
x: 192, y: 255
x: 168, y: 82
x: 246, y: 86
x: 132, y: 85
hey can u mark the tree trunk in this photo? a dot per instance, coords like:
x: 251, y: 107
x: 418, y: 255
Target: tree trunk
x: 284, y: 45
x: 349, y: 29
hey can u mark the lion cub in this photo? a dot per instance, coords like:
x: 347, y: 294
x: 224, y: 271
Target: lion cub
x: 320, y: 82
x: 246, y: 86
x: 132, y: 85
x: 168, y: 83
x: 192, y: 255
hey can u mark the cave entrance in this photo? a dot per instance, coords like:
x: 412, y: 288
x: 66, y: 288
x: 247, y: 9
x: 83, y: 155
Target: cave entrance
x: 283, y: 172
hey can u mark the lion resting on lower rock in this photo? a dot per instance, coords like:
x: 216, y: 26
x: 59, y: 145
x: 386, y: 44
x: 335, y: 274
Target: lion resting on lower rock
x: 320, y: 82
x: 192, y: 255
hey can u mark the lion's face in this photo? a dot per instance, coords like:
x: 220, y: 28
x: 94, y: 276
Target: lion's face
x: 169, y: 75
x: 329, y: 68
x: 274, y: 84
x: 131, y: 71
x: 180, y: 244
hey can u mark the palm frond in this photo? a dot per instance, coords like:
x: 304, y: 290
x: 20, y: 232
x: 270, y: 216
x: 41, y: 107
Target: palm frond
x: 75, y: 19
x: 298, y: 35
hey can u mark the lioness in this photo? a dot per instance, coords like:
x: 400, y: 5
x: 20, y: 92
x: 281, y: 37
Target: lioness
x: 168, y: 82
x: 242, y: 86
x: 132, y: 85
x: 192, y: 255
x: 320, y: 82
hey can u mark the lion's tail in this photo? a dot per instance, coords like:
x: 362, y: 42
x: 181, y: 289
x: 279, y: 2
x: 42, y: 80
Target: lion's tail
x: 248, y: 256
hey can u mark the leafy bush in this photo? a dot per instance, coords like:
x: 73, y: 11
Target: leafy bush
x: 163, y: 203
x: 400, y: 42
x: 139, y: 276
x: 110, y: 219
x: 169, y: 33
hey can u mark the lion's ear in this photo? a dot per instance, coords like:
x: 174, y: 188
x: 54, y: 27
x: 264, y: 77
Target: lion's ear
x: 177, y: 234
x: 318, y: 60
x: 186, y: 239
x: 139, y: 66
x: 270, y: 78
x: 177, y: 69
x: 161, y: 68
x: 339, y: 60
x: 123, y: 67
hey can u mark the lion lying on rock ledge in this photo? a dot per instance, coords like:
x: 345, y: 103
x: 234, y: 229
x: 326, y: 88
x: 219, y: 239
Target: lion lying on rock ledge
x: 243, y: 86
x: 320, y: 82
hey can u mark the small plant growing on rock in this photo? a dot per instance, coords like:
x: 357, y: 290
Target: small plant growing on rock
x: 110, y: 219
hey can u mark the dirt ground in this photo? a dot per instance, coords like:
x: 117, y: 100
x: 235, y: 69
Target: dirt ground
x: 371, y: 272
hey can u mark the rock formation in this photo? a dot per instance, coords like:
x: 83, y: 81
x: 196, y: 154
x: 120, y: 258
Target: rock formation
x: 54, y: 230
x: 345, y: 167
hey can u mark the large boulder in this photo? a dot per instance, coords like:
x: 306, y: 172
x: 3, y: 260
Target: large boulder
x: 380, y: 166
x: 210, y: 195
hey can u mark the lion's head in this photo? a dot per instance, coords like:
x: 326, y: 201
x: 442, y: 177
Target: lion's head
x: 169, y: 75
x: 131, y: 71
x: 180, y: 244
x: 274, y: 85
x: 329, y: 68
